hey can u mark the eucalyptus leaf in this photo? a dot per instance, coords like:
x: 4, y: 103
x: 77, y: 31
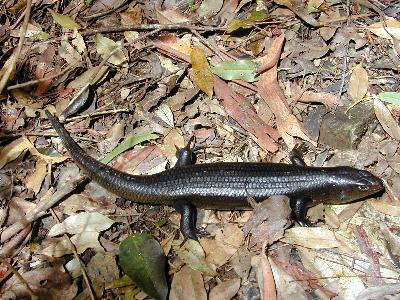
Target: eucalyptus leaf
x: 243, y: 69
x: 143, y: 260
x: 64, y: 21
x: 390, y: 97
x: 127, y: 144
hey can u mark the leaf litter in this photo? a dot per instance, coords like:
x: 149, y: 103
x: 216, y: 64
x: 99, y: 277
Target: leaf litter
x: 249, y: 80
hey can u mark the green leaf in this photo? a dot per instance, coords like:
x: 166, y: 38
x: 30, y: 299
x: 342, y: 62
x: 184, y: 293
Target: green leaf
x: 243, y: 69
x: 390, y: 97
x: 127, y: 144
x: 253, y: 17
x: 160, y: 223
x: 64, y: 21
x: 257, y: 16
x: 236, y: 24
x: 105, y: 46
x: 142, y: 259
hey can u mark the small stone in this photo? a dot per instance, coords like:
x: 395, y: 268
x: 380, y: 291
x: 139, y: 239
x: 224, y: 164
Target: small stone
x: 344, y: 131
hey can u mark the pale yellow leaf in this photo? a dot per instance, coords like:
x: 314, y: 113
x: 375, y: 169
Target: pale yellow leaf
x: 34, y: 181
x: 203, y: 78
x: 387, y: 208
x: 392, y: 26
x: 90, y: 76
x: 105, y: 46
x: 13, y: 150
x: 358, y: 85
x: 386, y: 119
x: 311, y: 237
x: 78, y: 42
x: 69, y: 53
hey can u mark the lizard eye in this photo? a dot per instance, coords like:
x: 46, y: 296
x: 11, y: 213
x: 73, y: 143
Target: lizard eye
x: 363, y: 187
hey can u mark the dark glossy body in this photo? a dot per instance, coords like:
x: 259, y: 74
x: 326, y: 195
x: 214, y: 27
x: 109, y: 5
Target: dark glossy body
x: 227, y: 185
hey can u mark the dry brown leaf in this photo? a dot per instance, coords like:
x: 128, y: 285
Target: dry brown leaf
x: 15, y: 148
x: 187, y: 284
x: 227, y: 12
x: 209, y: 8
x: 298, y: 7
x: 287, y: 124
x: 80, y: 202
x: 81, y: 222
x: 140, y: 160
x: 193, y: 255
x: 269, y: 288
x: 34, y: 181
x: 358, y: 84
x: 202, y: 76
x: 44, y: 68
x: 386, y: 119
x: 271, y: 93
x: 287, y: 287
x: 328, y: 99
x: 173, y: 42
x: 102, y: 270
x: 47, y: 283
x: 17, y: 209
x: 225, y: 290
x: 170, y: 16
x: 243, y: 112
x: 266, y: 62
x: 164, y: 112
x: 269, y: 220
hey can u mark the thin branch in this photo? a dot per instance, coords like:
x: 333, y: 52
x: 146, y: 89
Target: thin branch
x: 33, y: 82
x: 22, y: 34
x: 143, y: 27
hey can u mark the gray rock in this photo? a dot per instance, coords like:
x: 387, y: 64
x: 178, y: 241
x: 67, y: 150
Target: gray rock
x: 344, y: 131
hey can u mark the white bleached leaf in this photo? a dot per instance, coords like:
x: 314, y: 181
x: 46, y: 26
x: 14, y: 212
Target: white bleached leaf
x: 165, y: 114
x: 82, y: 241
x: 82, y: 222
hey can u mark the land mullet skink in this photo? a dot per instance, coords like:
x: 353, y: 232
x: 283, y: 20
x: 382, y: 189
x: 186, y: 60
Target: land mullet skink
x: 226, y: 186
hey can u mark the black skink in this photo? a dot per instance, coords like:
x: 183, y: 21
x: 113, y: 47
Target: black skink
x: 226, y: 186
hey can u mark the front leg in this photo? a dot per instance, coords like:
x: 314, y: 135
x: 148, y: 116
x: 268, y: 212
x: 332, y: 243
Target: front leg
x: 299, y: 208
x: 296, y: 157
x: 185, y: 155
x: 188, y: 219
